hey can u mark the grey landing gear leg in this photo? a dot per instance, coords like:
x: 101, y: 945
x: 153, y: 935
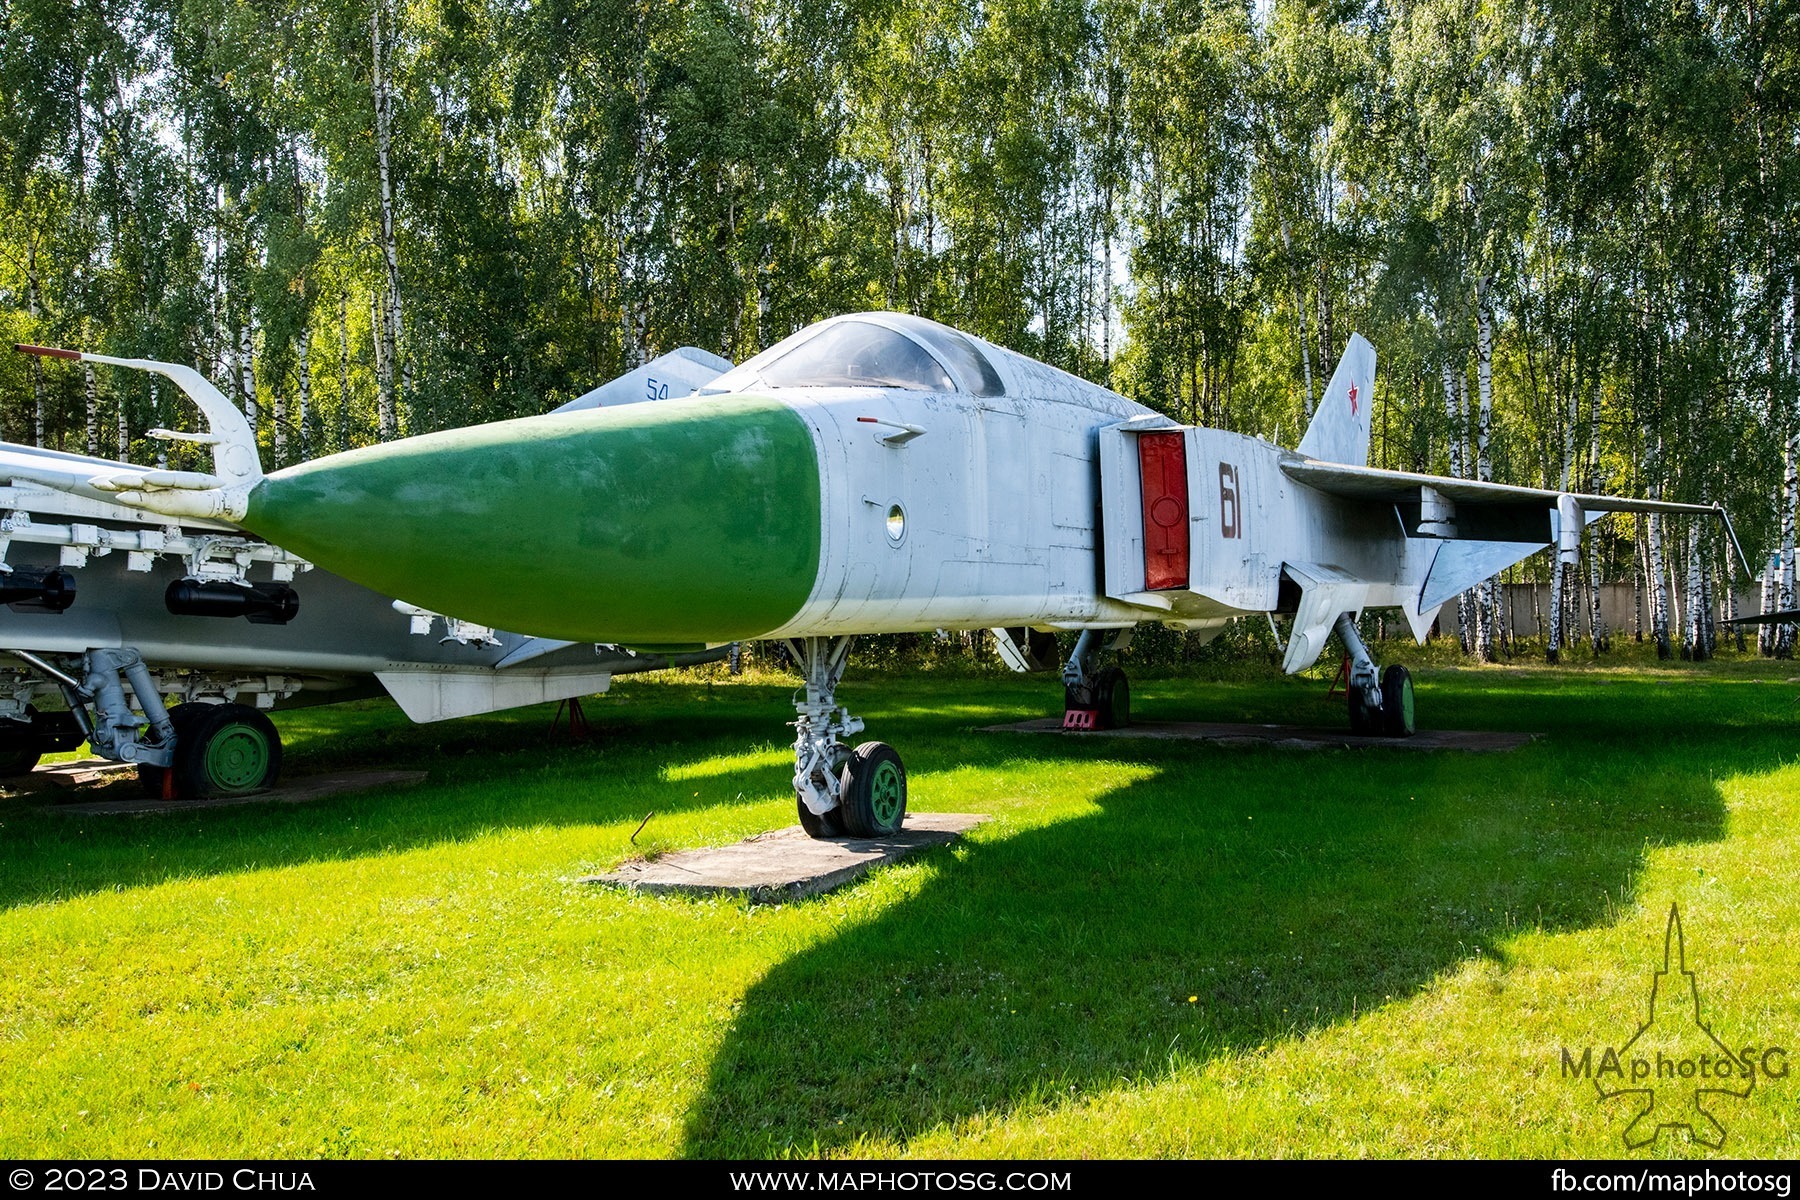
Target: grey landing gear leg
x: 1381, y: 703
x: 192, y: 751
x: 839, y: 791
x: 1095, y: 699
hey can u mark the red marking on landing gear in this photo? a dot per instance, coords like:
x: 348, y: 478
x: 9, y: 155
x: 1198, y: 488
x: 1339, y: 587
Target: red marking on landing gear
x: 1080, y: 719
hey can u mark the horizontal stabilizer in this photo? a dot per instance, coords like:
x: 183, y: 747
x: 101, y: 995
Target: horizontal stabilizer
x: 1789, y: 616
x: 1461, y: 565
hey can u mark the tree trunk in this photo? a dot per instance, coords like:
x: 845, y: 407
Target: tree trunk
x: 34, y: 305
x: 1659, y: 584
x: 92, y: 392
x: 1537, y: 609
x: 385, y: 421
x: 1640, y: 574
x: 156, y: 415
x: 1456, y: 416
x: 246, y: 369
x: 343, y: 421
x: 1699, y: 644
x: 1484, y: 377
x: 1673, y: 623
x: 388, y: 353
x: 304, y: 366
x: 1790, y: 490
x: 1512, y: 610
x: 1287, y: 244
x: 1597, y: 640
x: 1765, y: 634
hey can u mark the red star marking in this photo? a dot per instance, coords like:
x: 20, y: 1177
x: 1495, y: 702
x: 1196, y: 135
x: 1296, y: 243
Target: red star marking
x: 1353, y: 399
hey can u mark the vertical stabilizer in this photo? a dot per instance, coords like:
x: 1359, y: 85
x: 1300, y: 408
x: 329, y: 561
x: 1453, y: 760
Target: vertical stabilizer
x: 1339, y: 432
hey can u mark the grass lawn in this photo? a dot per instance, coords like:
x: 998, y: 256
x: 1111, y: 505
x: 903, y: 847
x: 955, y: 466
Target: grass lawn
x: 1154, y: 948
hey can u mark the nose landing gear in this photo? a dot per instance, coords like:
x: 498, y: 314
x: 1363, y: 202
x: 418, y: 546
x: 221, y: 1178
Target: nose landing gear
x: 839, y: 791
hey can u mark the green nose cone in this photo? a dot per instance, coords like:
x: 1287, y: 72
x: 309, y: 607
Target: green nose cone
x: 673, y: 522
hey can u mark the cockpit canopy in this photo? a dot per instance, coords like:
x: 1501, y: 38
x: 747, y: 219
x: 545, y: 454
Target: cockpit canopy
x: 875, y: 350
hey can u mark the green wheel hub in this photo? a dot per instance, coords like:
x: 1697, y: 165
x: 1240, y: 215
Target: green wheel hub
x: 873, y: 803
x: 887, y: 793
x: 237, y: 758
x: 220, y: 749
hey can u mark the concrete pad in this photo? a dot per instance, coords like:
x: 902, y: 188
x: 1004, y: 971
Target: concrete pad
x: 785, y: 864
x: 1293, y: 737
x: 311, y: 787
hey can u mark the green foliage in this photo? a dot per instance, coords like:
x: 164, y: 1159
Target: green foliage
x: 1194, y: 204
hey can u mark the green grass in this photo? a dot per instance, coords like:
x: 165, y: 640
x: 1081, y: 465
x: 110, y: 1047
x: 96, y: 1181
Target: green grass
x: 1154, y: 948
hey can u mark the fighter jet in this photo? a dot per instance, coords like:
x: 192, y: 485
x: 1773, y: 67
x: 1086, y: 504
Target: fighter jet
x: 882, y: 473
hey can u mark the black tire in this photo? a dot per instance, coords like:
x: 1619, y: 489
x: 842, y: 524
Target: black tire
x: 14, y: 763
x: 823, y: 827
x: 1112, y: 698
x: 1363, y: 719
x: 1397, y: 702
x: 227, y: 750
x: 23, y: 754
x: 874, y: 803
x: 150, y: 778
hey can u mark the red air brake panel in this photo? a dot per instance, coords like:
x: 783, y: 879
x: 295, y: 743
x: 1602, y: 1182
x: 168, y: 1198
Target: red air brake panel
x: 1162, y: 465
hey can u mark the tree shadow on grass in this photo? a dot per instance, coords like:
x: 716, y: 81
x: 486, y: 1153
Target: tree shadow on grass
x: 1230, y: 899
x: 503, y: 770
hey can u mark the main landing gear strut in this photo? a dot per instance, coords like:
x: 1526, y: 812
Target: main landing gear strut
x: 1384, y: 707
x: 839, y: 791
x: 1095, y: 699
x: 187, y: 752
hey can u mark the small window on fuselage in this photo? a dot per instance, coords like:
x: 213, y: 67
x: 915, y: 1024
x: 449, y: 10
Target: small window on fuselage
x: 858, y: 354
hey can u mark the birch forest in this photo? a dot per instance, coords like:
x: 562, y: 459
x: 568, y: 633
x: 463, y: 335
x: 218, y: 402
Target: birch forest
x: 1569, y: 226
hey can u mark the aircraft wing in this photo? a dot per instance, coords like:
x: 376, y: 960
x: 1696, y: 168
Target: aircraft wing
x: 1400, y: 487
x: 56, y: 471
x: 1481, y: 528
